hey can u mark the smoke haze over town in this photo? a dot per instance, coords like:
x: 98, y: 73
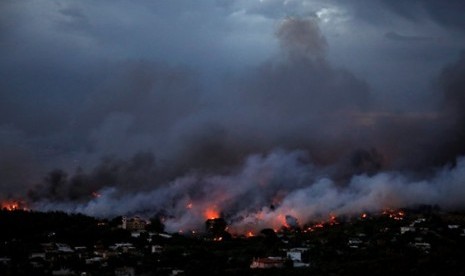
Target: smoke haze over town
x: 250, y: 110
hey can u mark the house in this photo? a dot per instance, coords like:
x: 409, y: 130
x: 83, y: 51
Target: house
x: 63, y: 248
x: 166, y: 236
x: 123, y: 247
x: 157, y: 249
x: 297, y: 254
x: 176, y: 272
x: 354, y: 243
x: 37, y: 255
x: 133, y: 224
x: 426, y: 247
x: 405, y: 229
x: 268, y: 262
x: 417, y: 221
x: 94, y: 260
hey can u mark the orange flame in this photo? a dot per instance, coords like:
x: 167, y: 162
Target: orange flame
x: 12, y: 205
x: 283, y: 221
x: 250, y: 234
x: 319, y: 225
x: 333, y: 220
x: 393, y: 214
x: 211, y: 213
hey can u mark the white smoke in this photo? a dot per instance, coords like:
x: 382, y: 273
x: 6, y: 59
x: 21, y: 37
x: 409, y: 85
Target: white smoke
x: 268, y: 188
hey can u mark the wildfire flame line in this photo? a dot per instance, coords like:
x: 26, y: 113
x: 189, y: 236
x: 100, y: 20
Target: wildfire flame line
x: 13, y: 205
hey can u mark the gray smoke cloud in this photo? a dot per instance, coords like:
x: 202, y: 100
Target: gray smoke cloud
x: 295, y: 137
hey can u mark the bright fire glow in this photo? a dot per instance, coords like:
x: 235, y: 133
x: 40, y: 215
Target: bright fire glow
x: 283, y: 222
x: 12, y: 205
x: 211, y: 213
x: 250, y: 234
x: 393, y: 214
x: 319, y: 225
x: 333, y: 220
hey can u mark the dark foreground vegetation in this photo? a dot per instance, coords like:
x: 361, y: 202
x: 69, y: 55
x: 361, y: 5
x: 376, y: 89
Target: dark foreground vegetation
x: 420, y: 242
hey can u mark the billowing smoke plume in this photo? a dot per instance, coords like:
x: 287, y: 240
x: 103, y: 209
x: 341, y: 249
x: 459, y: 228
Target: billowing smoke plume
x: 281, y: 188
x: 302, y: 38
x: 289, y: 141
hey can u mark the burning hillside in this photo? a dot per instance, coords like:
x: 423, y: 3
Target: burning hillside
x: 12, y: 205
x: 272, y: 191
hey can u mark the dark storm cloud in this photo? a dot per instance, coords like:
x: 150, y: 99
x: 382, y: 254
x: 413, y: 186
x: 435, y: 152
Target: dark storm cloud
x: 452, y: 87
x: 156, y: 95
x: 16, y: 163
x: 406, y: 38
x: 447, y: 13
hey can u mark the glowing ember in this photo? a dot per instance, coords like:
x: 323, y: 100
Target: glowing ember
x: 394, y: 214
x: 250, y: 234
x: 333, y: 220
x: 96, y: 195
x: 319, y: 225
x: 364, y: 216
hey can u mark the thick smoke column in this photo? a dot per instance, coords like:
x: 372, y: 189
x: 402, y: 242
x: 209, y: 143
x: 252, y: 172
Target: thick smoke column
x: 302, y: 38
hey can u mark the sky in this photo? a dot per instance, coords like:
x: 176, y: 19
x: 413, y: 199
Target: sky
x: 179, y: 101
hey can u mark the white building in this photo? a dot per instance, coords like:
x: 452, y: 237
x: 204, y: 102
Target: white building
x: 295, y: 254
x: 405, y: 229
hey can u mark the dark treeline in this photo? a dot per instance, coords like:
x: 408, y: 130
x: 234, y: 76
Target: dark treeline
x: 30, y: 227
